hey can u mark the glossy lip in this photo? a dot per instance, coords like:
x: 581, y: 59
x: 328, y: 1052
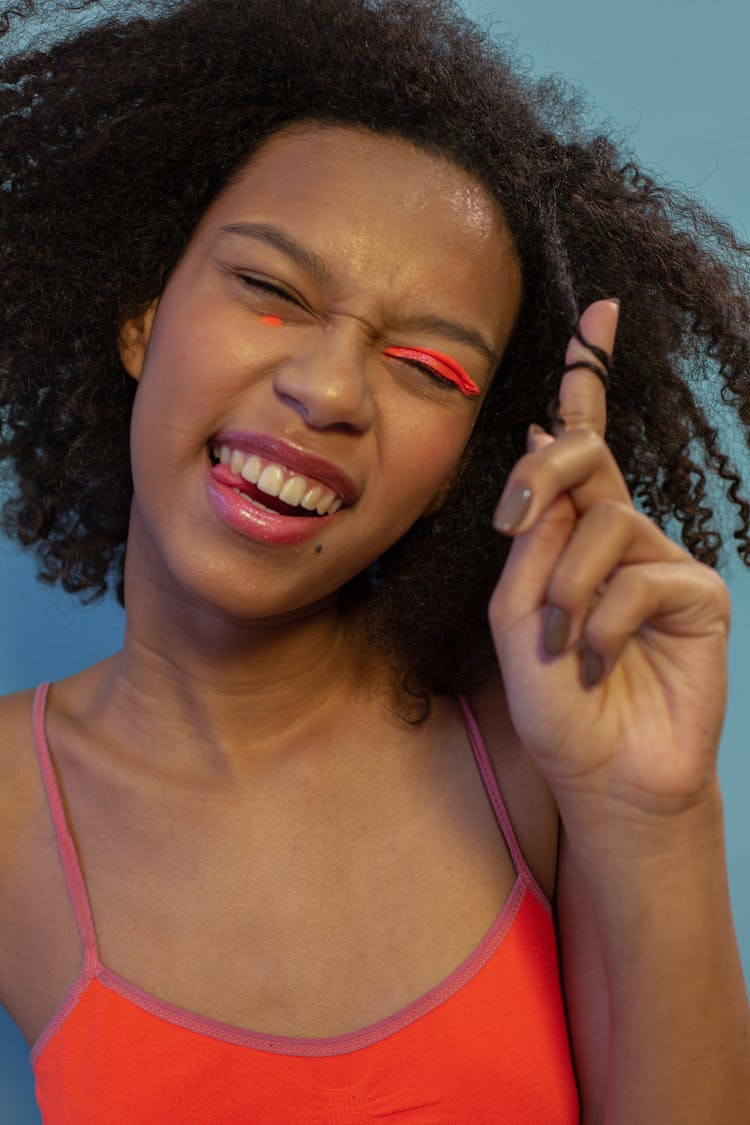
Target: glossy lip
x: 258, y: 524
x: 291, y: 457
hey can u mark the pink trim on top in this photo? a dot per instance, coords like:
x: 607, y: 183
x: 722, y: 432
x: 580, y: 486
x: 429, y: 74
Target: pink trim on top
x: 204, y: 1025
x: 492, y: 788
x: 335, y: 1044
x: 74, y: 880
x: 73, y: 875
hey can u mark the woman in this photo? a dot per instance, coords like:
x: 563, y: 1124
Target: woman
x: 326, y: 264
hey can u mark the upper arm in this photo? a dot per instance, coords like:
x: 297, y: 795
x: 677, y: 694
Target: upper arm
x: 584, y: 985
x: 15, y: 728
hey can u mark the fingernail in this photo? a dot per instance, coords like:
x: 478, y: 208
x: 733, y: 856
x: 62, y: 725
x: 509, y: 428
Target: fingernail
x: 553, y: 413
x: 513, y: 508
x: 593, y: 668
x: 613, y: 300
x: 556, y: 628
x: 532, y: 434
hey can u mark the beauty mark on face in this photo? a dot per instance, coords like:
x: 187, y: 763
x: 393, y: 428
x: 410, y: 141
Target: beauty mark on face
x: 442, y: 365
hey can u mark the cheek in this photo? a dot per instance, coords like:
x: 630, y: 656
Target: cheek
x: 428, y: 456
x: 191, y: 371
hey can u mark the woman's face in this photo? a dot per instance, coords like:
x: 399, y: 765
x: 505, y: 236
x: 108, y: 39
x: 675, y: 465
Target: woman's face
x: 325, y: 328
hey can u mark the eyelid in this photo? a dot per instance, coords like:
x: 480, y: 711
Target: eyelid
x: 261, y: 282
x: 442, y: 364
x: 269, y: 287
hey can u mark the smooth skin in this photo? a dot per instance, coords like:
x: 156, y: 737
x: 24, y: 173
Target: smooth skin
x: 648, y: 735
x: 623, y: 718
x: 291, y: 836
x: 242, y: 743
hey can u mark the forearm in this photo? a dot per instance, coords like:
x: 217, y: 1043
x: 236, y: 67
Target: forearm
x: 679, y: 1026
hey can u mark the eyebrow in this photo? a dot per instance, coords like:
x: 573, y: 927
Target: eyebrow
x: 452, y: 330
x: 305, y: 259
x: 316, y: 268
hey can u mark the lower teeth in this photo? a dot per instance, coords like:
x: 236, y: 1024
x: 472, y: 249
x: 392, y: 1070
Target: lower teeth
x: 257, y: 504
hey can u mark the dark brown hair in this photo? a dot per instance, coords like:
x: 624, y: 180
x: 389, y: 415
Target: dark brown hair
x: 115, y: 140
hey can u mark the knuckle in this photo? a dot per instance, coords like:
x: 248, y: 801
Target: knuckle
x: 633, y: 582
x: 577, y: 410
x: 716, y: 588
x: 589, y: 447
x: 582, y: 434
x: 603, y: 635
x: 611, y: 510
x: 628, y: 587
x: 570, y: 589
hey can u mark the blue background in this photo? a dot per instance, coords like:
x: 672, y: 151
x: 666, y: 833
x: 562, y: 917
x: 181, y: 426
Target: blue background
x: 674, y: 74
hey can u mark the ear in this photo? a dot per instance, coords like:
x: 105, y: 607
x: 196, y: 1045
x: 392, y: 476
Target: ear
x: 133, y: 338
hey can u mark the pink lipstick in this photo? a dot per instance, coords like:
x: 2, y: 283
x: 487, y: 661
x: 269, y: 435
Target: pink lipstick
x: 242, y: 506
x: 292, y: 457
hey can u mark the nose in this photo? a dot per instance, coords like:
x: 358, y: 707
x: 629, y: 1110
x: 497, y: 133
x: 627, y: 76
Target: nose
x: 328, y: 385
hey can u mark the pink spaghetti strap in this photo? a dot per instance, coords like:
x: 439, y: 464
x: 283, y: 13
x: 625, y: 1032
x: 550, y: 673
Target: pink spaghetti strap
x: 73, y: 875
x: 493, y: 792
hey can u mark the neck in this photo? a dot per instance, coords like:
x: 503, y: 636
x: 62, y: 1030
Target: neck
x: 230, y: 695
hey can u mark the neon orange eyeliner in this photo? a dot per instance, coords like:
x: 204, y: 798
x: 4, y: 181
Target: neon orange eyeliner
x: 271, y: 321
x: 442, y: 365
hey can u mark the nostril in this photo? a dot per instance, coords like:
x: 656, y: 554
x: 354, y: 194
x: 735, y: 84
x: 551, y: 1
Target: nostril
x: 325, y: 394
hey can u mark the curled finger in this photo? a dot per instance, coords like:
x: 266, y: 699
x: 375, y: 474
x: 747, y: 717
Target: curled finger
x: 685, y: 599
x: 578, y: 462
x: 608, y: 536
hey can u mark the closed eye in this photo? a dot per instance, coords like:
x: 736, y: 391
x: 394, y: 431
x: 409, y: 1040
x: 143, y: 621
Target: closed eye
x: 433, y: 372
x: 268, y: 287
x: 439, y: 366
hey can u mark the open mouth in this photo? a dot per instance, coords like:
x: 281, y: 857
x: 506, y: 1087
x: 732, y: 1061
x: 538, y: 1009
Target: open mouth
x: 271, y: 486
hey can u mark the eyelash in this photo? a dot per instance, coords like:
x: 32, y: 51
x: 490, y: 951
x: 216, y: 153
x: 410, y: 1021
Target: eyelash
x: 443, y: 369
x: 448, y: 384
x: 268, y: 287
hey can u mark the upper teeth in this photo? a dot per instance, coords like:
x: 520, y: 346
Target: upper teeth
x: 276, y: 480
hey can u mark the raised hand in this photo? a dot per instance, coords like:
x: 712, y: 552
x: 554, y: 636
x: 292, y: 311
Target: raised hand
x: 611, y: 639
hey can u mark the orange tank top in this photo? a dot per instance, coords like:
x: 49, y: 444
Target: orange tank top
x: 488, y: 1044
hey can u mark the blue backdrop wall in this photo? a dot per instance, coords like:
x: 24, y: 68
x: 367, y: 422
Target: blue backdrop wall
x: 675, y: 75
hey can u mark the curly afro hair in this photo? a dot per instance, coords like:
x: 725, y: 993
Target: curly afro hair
x: 115, y: 140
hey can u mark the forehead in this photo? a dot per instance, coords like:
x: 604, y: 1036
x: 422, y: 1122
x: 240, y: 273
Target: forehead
x: 378, y: 207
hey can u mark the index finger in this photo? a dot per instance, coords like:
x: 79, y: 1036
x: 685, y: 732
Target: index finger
x: 583, y: 400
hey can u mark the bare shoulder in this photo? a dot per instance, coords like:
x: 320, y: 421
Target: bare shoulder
x: 19, y: 793
x: 17, y: 765
x: 527, y: 796
x: 40, y: 952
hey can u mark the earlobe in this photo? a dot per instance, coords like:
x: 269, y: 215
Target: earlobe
x: 133, y: 339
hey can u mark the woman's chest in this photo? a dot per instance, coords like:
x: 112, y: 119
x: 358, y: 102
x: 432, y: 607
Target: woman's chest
x: 303, y: 942
x: 269, y: 918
